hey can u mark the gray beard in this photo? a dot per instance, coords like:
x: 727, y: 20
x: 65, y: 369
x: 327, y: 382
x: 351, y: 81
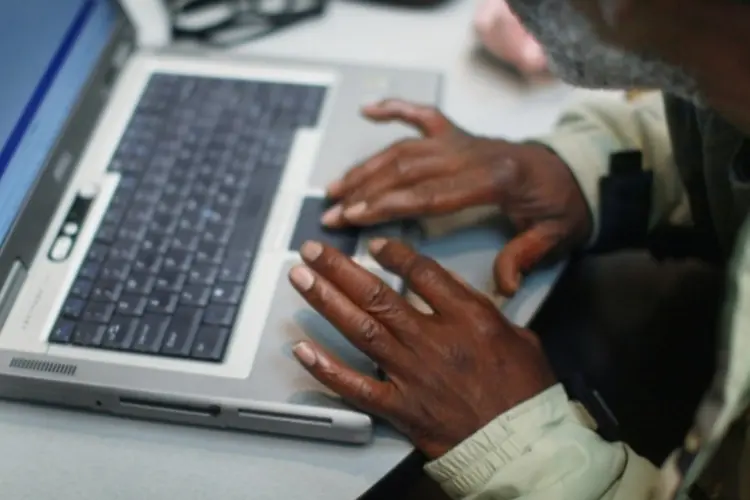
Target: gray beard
x: 579, y: 57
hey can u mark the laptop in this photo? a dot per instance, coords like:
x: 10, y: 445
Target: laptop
x: 151, y: 205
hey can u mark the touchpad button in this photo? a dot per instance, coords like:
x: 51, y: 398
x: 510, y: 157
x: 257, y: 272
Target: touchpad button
x: 309, y: 228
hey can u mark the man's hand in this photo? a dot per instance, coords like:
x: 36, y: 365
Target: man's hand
x: 448, y: 170
x: 448, y: 373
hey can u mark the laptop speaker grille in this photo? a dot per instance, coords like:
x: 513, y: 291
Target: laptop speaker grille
x: 43, y: 366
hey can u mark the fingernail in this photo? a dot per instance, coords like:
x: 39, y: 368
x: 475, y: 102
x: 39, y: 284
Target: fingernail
x: 332, y: 216
x: 305, y: 354
x: 377, y: 245
x: 334, y: 187
x: 355, y: 210
x: 311, y: 250
x: 302, y: 277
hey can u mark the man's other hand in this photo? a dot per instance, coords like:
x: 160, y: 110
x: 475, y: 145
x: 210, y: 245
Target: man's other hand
x: 449, y: 373
x: 447, y: 170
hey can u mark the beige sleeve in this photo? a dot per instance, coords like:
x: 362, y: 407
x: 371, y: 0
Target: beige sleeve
x: 587, y: 134
x: 540, y: 450
x: 585, y: 137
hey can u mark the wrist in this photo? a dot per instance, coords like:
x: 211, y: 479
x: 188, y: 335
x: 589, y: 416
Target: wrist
x: 503, y: 441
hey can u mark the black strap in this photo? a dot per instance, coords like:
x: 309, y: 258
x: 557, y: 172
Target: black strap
x: 625, y: 203
x: 238, y: 21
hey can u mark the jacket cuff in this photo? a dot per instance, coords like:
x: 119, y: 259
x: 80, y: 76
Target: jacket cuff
x: 588, y: 161
x: 473, y: 462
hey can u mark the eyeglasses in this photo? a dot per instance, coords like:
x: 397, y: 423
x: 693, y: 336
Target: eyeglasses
x: 231, y: 22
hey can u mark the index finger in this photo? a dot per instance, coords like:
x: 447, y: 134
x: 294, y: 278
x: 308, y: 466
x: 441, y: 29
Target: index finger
x: 356, y: 176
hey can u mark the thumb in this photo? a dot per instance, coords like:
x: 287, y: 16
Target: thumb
x: 430, y: 121
x: 521, y: 254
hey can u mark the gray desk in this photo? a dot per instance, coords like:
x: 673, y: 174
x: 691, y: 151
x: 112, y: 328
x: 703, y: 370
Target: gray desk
x: 48, y: 453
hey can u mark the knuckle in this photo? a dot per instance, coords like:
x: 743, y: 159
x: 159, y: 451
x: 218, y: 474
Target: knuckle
x: 400, y: 147
x: 369, y: 331
x: 420, y: 268
x: 484, y: 319
x: 363, y: 391
x: 426, y: 195
x: 376, y: 298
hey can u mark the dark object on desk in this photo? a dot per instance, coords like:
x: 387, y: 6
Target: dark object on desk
x: 409, y: 3
x: 231, y: 22
x: 309, y: 228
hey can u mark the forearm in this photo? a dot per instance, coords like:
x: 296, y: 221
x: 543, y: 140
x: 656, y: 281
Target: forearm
x: 541, y: 450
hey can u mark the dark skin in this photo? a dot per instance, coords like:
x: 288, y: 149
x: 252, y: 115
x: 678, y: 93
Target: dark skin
x: 448, y: 169
x: 463, y: 381
x: 706, y: 38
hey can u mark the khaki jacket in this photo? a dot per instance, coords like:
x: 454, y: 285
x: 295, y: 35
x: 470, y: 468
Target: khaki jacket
x: 547, y: 448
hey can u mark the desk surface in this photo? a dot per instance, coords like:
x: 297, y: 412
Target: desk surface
x: 49, y: 453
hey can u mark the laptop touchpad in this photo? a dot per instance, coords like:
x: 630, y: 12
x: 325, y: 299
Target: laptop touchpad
x: 309, y: 228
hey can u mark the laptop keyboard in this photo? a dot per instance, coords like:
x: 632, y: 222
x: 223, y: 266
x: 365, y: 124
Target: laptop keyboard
x: 201, y: 161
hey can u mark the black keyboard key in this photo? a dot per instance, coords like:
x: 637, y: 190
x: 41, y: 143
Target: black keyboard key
x: 107, y: 290
x: 106, y: 234
x: 120, y: 333
x: 161, y: 302
x: 124, y: 249
x: 98, y: 252
x: 211, y: 253
x: 195, y: 295
x: 219, y: 315
x: 141, y: 283
x: 81, y: 288
x: 203, y: 274
x: 165, y: 222
x: 131, y: 304
x: 157, y: 242
x: 147, y: 196
x: 114, y: 216
x: 62, y: 332
x: 148, y: 261
x: 89, y: 334
x: 178, y: 260
x: 117, y: 269
x: 171, y: 281
x: 98, y: 312
x: 210, y: 343
x: 185, y: 240
x: 133, y: 231
x: 89, y: 270
x: 217, y: 233
x: 150, y: 333
x: 181, y: 331
x: 73, y: 308
x: 235, y: 269
x: 227, y: 293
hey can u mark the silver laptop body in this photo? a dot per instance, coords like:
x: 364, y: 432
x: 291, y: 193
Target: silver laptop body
x: 109, y: 301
